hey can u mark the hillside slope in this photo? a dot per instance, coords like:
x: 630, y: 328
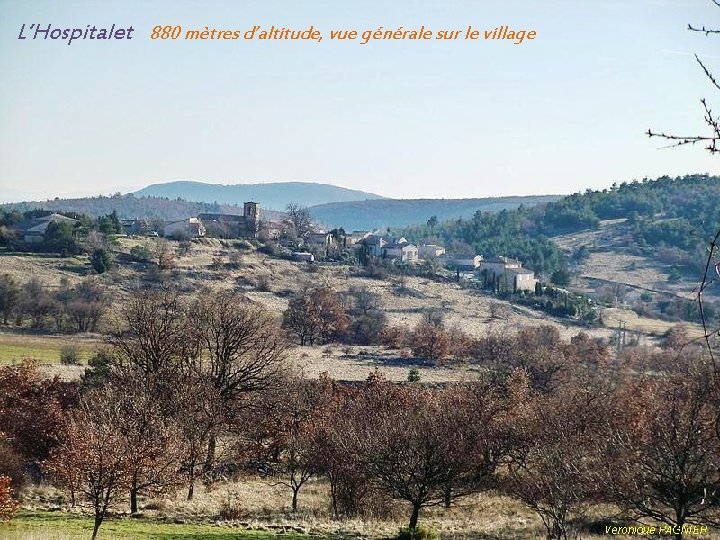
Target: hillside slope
x: 373, y: 214
x: 274, y: 195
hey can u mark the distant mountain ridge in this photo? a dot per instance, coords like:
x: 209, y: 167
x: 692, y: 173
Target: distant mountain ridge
x: 274, y: 196
x: 351, y: 209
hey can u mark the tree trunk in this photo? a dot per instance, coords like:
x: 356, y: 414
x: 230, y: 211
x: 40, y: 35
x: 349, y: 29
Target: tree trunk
x: 191, y: 487
x: 96, y: 527
x: 414, y: 517
x: 680, y: 521
x: 294, y: 499
x: 210, y: 459
x: 448, y: 496
x: 133, y: 498
x: 333, y: 496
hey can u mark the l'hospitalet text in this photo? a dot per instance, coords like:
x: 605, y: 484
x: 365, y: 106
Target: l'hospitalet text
x: 39, y: 31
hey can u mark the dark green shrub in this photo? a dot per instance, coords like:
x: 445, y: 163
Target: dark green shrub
x: 101, y: 260
x: 70, y: 355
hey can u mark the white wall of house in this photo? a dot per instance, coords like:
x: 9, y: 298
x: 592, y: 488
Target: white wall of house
x: 430, y: 251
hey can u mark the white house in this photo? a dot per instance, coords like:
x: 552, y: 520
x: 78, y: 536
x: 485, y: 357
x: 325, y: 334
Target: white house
x: 521, y: 279
x: 510, y: 272
x: 430, y: 251
x: 190, y: 228
x: 405, y: 253
x: 498, y: 265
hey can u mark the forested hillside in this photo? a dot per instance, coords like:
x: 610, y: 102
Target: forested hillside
x: 679, y: 214
x: 379, y: 213
x: 129, y: 206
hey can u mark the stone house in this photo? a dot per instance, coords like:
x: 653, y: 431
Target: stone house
x: 33, y: 231
x: 430, y: 251
x: 463, y: 264
x: 186, y: 228
x: 401, y: 252
x: 233, y: 225
x: 508, y: 273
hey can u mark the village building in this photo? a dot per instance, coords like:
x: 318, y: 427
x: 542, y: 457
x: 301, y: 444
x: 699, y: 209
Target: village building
x: 498, y: 265
x: 373, y: 244
x: 138, y: 227
x: 507, y: 273
x: 401, y: 252
x: 463, y: 263
x: 233, y: 225
x: 430, y: 251
x: 357, y: 236
x: 521, y: 279
x: 34, y: 230
x: 186, y: 228
x: 302, y: 256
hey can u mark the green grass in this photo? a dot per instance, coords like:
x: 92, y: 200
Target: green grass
x: 46, y: 350
x: 37, y: 525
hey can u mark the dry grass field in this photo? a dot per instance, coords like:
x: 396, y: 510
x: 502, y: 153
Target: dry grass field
x: 256, y: 508
x: 255, y: 504
x: 611, y: 261
x: 44, y: 349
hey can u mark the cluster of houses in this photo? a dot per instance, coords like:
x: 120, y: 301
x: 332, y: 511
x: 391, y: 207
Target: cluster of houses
x: 367, y: 246
x: 506, y: 272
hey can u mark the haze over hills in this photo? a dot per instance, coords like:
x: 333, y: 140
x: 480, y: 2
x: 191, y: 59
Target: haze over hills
x: 372, y: 214
x: 330, y: 205
x: 274, y: 196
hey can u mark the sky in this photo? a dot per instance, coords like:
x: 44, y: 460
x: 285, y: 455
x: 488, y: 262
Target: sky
x: 560, y: 114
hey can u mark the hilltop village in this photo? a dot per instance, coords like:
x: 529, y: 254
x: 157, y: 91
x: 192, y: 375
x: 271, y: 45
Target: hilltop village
x: 299, y: 238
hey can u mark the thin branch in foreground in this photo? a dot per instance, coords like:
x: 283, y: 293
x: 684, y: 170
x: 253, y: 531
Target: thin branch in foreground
x: 703, y: 286
x: 703, y: 29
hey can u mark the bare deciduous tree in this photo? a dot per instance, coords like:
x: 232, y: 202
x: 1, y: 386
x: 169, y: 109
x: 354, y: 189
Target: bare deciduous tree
x: 92, y: 459
x: 316, y: 316
x: 663, y: 454
x: 552, y: 470
x: 154, y: 332
x: 421, y: 445
x: 243, y: 351
x: 299, y: 217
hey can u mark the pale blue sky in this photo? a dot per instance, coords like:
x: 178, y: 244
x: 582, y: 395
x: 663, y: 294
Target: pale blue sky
x: 417, y: 119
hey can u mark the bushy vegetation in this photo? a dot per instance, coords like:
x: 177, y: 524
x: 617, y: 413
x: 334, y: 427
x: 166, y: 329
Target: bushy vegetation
x: 78, y: 308
x: 679, y: 213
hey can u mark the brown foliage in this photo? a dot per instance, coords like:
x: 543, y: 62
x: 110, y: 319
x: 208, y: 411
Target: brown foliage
x: 92, y: 459
x: 538, y: 351
x: 317, y: 316
x: 11, y: 464
x: 8, y: 505
x: 396, y: 337
x: 31, y: 410
x: 663, y: 454
x: 552, y: 470
x: 421, y: 445
x: 430, y: 341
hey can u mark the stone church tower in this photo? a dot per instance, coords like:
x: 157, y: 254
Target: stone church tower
x: 251, y: 210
